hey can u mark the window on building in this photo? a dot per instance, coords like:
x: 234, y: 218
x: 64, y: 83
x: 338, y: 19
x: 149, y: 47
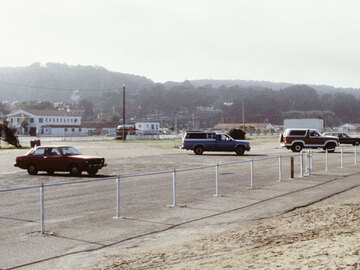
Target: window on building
x: 57, y: 119
x: 31, y: 120
x: 79, y: 129
x: 152, y: 126
x: 53, y: 119
x: 73, y: 129
x: 12, y: 120
x: 75, y: 120
x: 18, y: 120
x: 65, y: 129
x: 41, y: 120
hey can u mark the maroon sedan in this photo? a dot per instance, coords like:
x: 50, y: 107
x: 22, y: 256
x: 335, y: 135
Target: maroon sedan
x: 59, y: 158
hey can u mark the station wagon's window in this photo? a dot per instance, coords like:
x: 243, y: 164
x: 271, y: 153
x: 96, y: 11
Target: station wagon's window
x: 196, y: 135
x: 314, y: 133
x: 38, y: 152
x: 297, y: 133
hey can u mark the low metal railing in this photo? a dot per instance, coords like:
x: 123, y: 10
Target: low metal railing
x: 306, y: 168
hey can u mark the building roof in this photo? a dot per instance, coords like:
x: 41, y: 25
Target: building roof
x: 239, y: 125
x: 99, y: 124
x: 49, y: 112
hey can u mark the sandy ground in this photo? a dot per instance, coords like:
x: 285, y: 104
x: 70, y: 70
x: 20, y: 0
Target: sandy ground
x: 322, y: 236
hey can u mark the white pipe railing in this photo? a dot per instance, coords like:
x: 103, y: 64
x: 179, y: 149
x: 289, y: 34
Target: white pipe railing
x: 308, y: 164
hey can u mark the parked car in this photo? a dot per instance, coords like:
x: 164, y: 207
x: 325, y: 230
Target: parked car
x: 344, y: 138
x: 298, y: 138
x: 59, y: 158
x: 200, y: 141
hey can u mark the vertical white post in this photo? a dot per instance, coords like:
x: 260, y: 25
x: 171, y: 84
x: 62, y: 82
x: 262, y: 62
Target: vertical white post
x: 42, y: 214
x: 280, y: 168
x: 326, y: 160
x: 301, y: 164
x: 252, y: 174
x: 355, y: 154
x: 342, y: 157
x: 118, y: 196
x: 311, y: 161
x: 217, y: 180
x: 308, y: 163
x: 174, y: 187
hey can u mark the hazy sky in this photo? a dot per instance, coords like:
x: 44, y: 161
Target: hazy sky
x: 300, y: 41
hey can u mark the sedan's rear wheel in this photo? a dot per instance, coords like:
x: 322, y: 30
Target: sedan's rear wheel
x: 75, y: 171
x: 32, y: 170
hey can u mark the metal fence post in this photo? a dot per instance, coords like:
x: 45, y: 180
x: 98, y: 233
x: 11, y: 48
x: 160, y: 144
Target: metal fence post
x: 355, y: 156
x: 174, y: 187
x: 118, y: 196
x: 308, y: 163
x: 252, y: 174
x: 301, y: 164
x: 280, y: 168
x: 326, y: 160
x: 311, y: 161
x: 42, y: 208
x: 217, y: 180
x: 342, y: 157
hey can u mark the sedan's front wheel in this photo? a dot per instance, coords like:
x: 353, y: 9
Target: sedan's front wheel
x: 92, y: 172
x: 32, y: 170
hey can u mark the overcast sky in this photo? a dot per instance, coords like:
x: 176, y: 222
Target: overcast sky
x: 299, y: 41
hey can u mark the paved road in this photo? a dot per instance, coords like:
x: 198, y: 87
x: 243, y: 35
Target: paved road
x: 79, y: 217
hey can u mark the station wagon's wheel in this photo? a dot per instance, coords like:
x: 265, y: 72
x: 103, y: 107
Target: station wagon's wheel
x: 32, y: 170
x: 297, y: 147
x: 92, y: 172
x: 356, y: 143
x: 198, y: 150
x: 75, y: 171
x: 240, y: 150
x: 50, y: 172
x: 330, y: 147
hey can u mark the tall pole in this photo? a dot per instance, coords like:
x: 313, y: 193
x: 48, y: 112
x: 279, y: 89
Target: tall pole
x: 243, y: 113
x: 123, y: 133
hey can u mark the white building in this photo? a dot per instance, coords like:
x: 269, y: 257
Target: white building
x: 147, y: 128
x: 46, y: 123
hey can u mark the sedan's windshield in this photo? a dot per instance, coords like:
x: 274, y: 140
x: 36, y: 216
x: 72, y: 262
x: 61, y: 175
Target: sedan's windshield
x: 70, y: 151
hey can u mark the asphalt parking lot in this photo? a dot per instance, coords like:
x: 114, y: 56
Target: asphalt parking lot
x: 79, y: 218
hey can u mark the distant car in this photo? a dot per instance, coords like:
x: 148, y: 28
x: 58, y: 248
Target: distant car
x: 298, y: 138
x: 59, y: 158
x: 200, y: 141
x: 344, y: 138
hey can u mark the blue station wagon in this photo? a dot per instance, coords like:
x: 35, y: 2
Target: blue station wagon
x: 200, y: 141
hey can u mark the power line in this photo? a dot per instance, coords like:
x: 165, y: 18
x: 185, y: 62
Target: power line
x: 58, y: 88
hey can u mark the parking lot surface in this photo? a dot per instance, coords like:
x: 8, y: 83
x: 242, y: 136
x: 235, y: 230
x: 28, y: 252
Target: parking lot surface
x: 79, y: 218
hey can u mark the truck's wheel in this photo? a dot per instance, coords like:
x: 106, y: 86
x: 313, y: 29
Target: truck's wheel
x: 330, y: 147
x: 92, y: 172
x: 198, y: 150
x: 240, y: 150
x: 75, y: 171
x: 32, y: 170
x: 297, y: 147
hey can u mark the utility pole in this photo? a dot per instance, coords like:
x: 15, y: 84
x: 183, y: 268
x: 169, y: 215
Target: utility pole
x: 243, y: 113
x: 123, y: 133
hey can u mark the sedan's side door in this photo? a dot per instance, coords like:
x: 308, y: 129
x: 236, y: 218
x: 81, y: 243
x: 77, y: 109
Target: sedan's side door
x: 37, y: 158
x: 53, y: 159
